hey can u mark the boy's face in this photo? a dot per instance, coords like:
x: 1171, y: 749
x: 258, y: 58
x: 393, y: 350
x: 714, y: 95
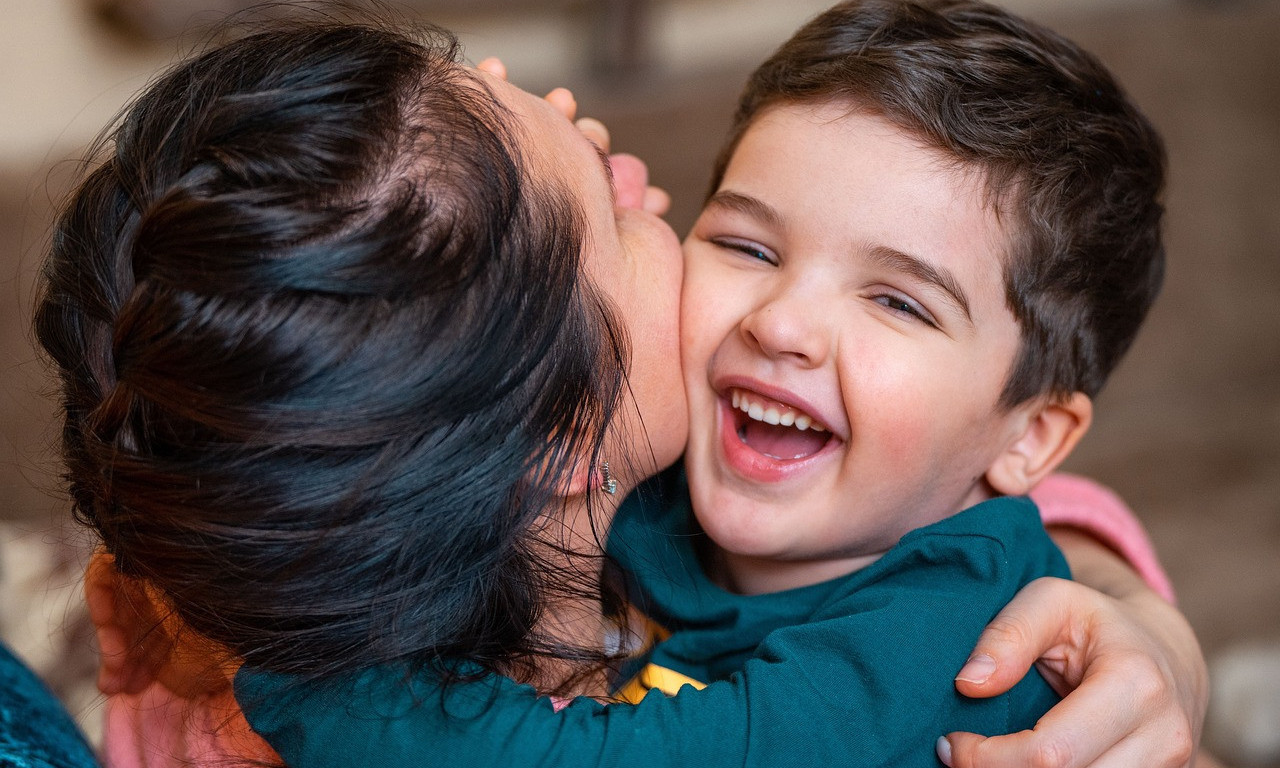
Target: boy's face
x: 847, y: 277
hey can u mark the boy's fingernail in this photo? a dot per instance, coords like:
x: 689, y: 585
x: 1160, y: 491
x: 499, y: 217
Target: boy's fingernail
x: 978, y: 669
x: 944, y: 751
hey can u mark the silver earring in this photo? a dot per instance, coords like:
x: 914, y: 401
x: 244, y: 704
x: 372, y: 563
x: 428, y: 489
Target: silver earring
x: 610, y: 485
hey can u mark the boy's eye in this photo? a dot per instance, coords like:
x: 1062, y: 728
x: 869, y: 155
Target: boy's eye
x: 902, y: 306
x: 745, y: 247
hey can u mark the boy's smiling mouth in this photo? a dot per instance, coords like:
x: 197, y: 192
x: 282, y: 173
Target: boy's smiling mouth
x: 774, y: 429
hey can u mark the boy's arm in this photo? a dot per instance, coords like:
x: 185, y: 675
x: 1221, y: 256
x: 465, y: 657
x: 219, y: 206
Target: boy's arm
x: 867, y: 683
x: 381, y: 718
x: 784, y: 710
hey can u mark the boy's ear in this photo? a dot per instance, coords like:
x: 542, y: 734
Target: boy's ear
x: 1050, y: 431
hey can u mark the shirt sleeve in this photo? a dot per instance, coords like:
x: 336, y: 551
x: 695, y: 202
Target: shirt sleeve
x: 868, y: 683
x: 1078, y: 502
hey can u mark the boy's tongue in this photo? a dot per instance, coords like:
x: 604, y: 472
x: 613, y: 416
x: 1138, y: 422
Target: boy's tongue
x: 779, y: 442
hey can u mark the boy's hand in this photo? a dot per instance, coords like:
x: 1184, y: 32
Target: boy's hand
x: 631, y: 180
x: 1130, y: 669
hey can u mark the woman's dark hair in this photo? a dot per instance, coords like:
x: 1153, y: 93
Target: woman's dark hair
x: 1066, y: 155
x: 326, y: 352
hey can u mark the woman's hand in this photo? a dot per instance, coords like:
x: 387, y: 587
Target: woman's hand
x: 1127, y: 662
x: 131, y: 651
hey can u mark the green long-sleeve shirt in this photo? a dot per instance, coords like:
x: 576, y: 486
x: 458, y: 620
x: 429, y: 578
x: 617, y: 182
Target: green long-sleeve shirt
x: 858, y: 670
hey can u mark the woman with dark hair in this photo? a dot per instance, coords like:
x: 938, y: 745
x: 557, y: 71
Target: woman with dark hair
x: 358, y: 356
x: 315, y: 324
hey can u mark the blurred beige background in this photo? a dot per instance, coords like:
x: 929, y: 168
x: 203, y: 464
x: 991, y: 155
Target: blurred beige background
x: 1188, y: 431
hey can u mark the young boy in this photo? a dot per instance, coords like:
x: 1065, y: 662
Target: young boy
x: 860, y: 369
x: 933, y: 232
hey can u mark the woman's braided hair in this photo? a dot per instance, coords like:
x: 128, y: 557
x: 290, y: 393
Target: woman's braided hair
x: 313, y: 327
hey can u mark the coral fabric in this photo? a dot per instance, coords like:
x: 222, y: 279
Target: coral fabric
x: 1077, y: 502
x: 157, y: 729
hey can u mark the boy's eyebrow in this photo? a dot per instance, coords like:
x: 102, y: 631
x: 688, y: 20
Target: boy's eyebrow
x: 923, y: 270
x: 746, y: 205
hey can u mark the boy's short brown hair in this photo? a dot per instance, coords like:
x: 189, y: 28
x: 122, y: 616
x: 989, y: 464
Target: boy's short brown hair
x: 1071, y: 162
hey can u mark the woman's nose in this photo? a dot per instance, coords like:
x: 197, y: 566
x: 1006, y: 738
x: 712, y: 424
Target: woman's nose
x: 789, y: 326
x: 630, y: 180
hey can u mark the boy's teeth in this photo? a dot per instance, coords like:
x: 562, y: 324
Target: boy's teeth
x: 787, y: 417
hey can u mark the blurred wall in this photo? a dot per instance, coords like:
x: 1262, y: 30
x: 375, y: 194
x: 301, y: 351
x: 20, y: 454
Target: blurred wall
x: 64, y: 76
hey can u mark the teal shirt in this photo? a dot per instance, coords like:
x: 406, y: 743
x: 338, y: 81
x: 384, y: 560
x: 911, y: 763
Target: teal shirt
x: 858, y: 670
x: 713, y: 631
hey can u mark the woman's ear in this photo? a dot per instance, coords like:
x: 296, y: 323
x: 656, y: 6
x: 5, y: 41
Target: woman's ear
x: 588, y: 475
x: 1049, y: 432
x: 585, y: 476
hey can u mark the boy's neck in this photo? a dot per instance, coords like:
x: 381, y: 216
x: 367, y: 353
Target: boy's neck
x: 746, y: 575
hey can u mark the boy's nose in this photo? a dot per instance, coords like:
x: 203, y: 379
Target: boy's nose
x: 788, y: 327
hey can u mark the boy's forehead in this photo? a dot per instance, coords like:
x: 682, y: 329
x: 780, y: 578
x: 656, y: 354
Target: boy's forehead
x: 1000, y: 190
x: 869, y: 186
x: 847, y: 119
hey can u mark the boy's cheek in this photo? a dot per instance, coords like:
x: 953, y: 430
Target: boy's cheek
x: 697, y: 351
x: 693, y: 360
x: 694, y: 303
x: 712, y: 306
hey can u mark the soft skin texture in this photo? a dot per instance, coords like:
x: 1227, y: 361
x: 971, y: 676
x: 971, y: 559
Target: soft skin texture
x: 634, y: 258
x: 881, y: 317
